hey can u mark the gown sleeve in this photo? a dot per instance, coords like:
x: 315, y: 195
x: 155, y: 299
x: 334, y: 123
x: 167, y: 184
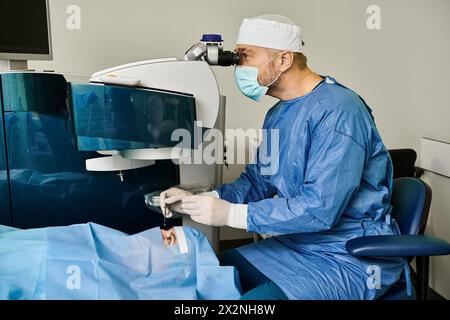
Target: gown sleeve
x: 250, y: 186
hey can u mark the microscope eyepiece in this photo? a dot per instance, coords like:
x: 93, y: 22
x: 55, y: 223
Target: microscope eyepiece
x: 228, y: 58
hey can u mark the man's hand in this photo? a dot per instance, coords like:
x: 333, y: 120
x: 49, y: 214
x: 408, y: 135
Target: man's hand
x: 170, y: 200
x: 169, y: 236
x: 206, y: 210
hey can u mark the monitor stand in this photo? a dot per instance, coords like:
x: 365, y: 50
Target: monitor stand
x: 10, y: 65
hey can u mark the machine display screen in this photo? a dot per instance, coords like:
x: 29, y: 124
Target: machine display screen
x: 23, y: 27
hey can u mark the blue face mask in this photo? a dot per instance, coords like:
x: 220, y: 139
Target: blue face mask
x: 247, y: 81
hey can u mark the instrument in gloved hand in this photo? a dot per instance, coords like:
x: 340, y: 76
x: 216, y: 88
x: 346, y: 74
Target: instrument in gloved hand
x: 171, y: 211
x: 152, y: 200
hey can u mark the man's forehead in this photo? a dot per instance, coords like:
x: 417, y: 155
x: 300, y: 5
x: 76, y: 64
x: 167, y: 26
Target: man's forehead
x: 247, y: 48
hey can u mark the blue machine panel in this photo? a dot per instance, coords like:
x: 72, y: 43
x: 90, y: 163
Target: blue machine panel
x: 5, y: 212
x: 115, y: 118
x: 48, y: 181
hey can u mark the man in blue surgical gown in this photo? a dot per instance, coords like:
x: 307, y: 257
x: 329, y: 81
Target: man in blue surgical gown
x: 332, y: 183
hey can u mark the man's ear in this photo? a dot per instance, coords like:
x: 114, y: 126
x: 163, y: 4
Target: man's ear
x: 287, y: 59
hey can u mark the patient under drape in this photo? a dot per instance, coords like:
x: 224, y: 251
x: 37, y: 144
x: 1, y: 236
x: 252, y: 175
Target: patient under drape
x: 90, y: 261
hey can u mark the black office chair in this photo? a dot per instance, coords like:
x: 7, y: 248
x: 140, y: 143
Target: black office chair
x: 411, y: 199
x: 403, y: 161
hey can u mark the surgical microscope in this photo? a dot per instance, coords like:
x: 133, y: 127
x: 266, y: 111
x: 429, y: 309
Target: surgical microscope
x: 169, y: 93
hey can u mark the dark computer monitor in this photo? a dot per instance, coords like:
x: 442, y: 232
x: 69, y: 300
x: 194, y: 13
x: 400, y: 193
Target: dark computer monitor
x: 25, y: 30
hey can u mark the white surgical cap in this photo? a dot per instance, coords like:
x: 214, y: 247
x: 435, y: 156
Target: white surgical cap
x: 271, y: 31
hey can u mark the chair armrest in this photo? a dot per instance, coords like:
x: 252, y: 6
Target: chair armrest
x: 397, y: 246
x: 418, y: 172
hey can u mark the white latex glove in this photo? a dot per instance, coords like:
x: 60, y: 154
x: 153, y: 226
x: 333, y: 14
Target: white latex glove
x: 170, y: 200
x: 206, y: 210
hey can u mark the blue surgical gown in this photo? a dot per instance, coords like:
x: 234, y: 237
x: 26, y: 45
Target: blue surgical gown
x: 331, y: 183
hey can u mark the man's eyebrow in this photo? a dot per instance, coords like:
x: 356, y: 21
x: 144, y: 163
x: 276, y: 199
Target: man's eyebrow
x: 245, y: 50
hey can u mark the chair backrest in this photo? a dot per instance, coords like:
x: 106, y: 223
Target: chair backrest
x: 411, y: 199
x: 403, y: 161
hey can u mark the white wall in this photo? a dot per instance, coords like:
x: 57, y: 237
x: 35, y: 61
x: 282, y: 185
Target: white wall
x: 402, y: 70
